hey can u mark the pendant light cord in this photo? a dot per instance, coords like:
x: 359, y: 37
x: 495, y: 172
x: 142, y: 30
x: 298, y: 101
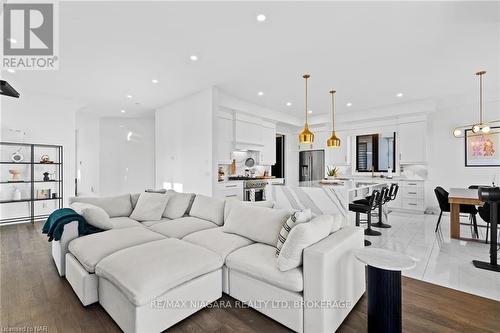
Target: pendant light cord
x: 481, y: 73
x: 306, y: 77
x: 333, y: 109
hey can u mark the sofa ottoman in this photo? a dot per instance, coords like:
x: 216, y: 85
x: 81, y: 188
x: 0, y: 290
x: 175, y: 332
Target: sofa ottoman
x: 150, y: 287
x: 85, y: 252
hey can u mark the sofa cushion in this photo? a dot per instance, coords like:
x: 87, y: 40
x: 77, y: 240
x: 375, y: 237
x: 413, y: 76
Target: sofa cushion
x: 178, y: 204
x: 218, y: 241
x: 301, y: 236
x: 157, y: 267
x: 134, y: 197
x: 123, y: 222
x: 207, y: 208
x: 260, y: 224
x: 91, y: 249
x: 259, y: 261
x: 179, y: 228
x: 296, y: 218
x: 93, y: 215
x: 115, y: 206
x: 231, y: 201
x: 149, y: 207
x: 151, y: 223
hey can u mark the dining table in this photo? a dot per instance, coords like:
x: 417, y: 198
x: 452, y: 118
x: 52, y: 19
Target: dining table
x: 457, y: 197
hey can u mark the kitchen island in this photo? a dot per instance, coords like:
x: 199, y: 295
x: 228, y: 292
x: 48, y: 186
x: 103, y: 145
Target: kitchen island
x: 347, y: 191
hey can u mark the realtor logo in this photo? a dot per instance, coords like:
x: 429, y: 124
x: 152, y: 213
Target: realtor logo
x: 29, y: 36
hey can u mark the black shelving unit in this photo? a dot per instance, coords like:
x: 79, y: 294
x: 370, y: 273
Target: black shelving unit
x: 32, y: 199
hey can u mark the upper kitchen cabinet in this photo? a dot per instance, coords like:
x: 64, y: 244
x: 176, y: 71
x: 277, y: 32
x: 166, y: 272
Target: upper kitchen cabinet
x: 224, y: 137
x: 336, y: 156
x: 248, y: 132
x: 268, y: 152
x: 412, y: 143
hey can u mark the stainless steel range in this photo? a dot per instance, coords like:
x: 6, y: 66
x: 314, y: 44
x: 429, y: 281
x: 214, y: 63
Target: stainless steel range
x: 254, y: 190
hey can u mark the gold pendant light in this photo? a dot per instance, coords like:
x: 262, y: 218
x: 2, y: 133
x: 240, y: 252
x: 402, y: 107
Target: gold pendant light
x: 333, y: 141
x: 306, y: 136
x: 481, y: 127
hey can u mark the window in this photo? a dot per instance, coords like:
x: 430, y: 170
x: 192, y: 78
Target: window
x: 376, y: 152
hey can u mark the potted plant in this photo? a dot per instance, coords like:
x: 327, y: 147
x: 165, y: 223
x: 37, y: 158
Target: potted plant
x: 332, y: 173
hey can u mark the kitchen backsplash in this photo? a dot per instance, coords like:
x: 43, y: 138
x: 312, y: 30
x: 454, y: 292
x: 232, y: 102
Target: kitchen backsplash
x: 240, y: 157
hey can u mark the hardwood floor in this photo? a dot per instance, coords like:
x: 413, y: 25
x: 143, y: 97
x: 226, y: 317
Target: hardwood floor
x: 35, y: 298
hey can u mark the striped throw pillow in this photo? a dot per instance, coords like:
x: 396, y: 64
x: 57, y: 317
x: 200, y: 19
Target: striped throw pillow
x: 296, y: 218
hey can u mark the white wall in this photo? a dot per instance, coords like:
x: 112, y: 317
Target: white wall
x: 44, y: 119
x: 126, y: 155
x: 184, y: 143
x: 446, y: 154
x: 88, y: 151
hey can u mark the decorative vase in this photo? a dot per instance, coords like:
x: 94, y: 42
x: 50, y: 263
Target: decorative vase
x: 16, y: 195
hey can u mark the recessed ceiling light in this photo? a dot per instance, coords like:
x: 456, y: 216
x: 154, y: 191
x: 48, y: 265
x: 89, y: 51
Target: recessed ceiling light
x: 260, y: 93
x: 154, y: 81
x: 349, y: 104
x: 12, y: 40
x: 288, y: 103
x: 261, y: 17
x: 193, y: 57
x: 399, y: 95
x: 129, y: 96
x: 309, y: 111
x: 10, y: 70
x: 122, y: 111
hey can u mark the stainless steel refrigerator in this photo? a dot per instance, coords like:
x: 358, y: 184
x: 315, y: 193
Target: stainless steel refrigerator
x: 312, y: 165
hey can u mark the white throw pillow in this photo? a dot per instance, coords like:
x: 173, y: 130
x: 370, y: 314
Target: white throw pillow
x: 178, y: 204
x: 207, y: 208
x: 93, y: 215
x: 296, y: 218
x: 300, y: 237
x: 259, y: 224
x: 230, y: 201
x: 149, y: 207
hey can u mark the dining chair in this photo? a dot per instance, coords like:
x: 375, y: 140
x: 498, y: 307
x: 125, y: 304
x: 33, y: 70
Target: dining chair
x: 444, y: 205
x: 484, y: 211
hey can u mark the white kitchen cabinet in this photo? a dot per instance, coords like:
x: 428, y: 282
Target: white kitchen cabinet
x: 224, y: 138
x: 248, y: 130
x: 339, y: 156
x: 230, y: 189
x: 412, y: 143
x: 268, y: 152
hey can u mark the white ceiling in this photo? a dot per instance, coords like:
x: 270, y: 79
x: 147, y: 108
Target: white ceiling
x: 368, y: 52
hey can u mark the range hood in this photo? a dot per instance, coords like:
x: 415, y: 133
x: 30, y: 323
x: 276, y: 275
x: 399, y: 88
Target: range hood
x: 7, y: 90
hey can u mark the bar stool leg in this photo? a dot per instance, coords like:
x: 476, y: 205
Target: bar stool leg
x: 369, y: 231
x: 380, y: 224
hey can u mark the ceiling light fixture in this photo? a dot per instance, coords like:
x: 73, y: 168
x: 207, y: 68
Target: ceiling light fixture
x: 399, y: 95
x: 193, y: 57
x: 288, y: 103
x: 333, y: 141
x: 155, y: 81
x: 129, y: 96
x: 261, y: 17
x: 349, y: 104
x: 306, y: 136
x: 482, y: 126
x: 309, y: 111
x: 260, y: 93
x: 122, y: 111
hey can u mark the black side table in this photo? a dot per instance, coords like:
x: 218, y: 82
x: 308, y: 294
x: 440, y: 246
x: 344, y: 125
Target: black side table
x: 384, y: 287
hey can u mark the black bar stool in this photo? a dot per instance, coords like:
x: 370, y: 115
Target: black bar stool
x: 386, y: 197
x: 360, y: 207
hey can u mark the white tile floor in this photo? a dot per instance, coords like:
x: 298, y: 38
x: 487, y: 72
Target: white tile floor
x: 441, y: 260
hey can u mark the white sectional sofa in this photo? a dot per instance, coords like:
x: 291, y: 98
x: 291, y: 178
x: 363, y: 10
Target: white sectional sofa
x: 149, y: 275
